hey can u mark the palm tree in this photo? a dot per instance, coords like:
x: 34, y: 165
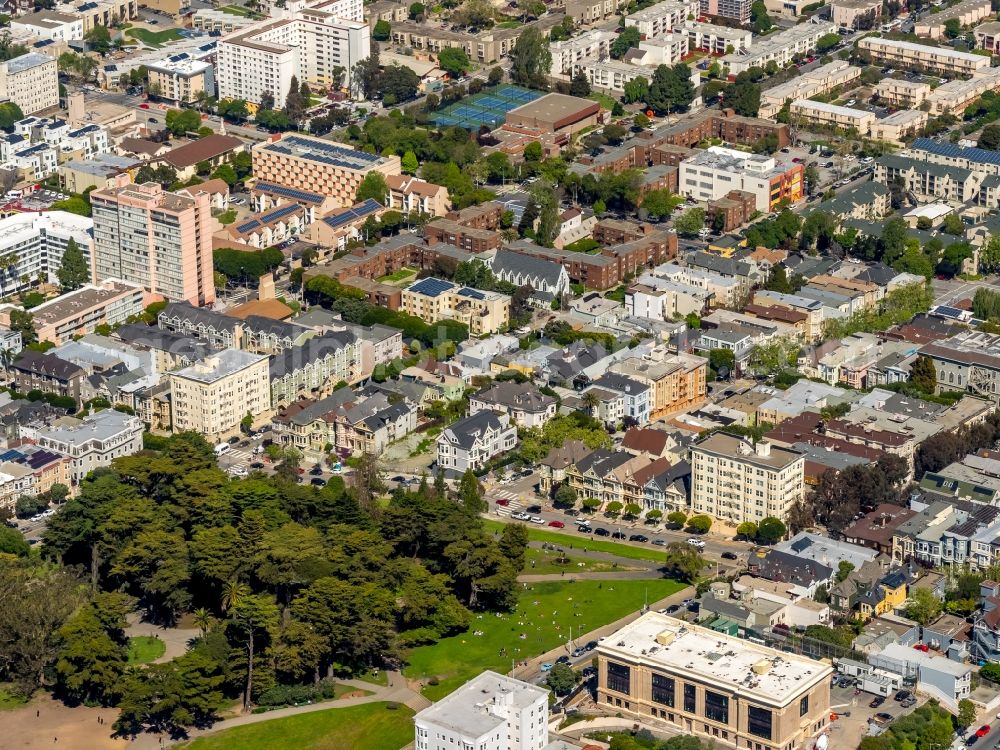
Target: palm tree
x: 203, y: 619
x: 233, y: 592
x: 591, y: 401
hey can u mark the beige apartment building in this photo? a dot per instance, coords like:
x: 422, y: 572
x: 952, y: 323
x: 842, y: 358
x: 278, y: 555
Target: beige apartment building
x: 79, y: 312
x: 213, y: 395
x: 31, y: 82
x: 947, y: 62
x: 585, y: 12
x: 433, y: 299
x: 301, y: 162
x: 726, y: 690
x: 900, y: 126
x: 182, y: 80
x: 159, y: 240
x: 734, y: 480
x: 850, y: 14
x: 954, y: 96
x: 677, y: 380
x: 988, y: 37
x: 485, y: 47
x: 902, y: 93
x: 105, y: 13
x: 807, y: 85
x: 966, y: 13
x: 821, y: 113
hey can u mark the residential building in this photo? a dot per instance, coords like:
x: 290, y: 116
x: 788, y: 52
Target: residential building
x: 941, y: 60
x: 677, y: 381
x: 988, y: 37
x: 723, y: 124
x: 588, y: 45
x: 77, y: 313
x: 900, y: 126
x: 106, y: 13
x: 307, y: 43
x: 212, y: 396
x: 522, y: 402
x: 470, y: 239
x: 483, y: 47
x: 902, y: 92
x: 666, y: 672
x: 718, y: 40
x: 967, y: 361
x: 524, y: 270
x: 34, y: 371
x: 937, y: 676
x: 855, y: 14
x: 317, y: 165
x: 184, y: 78
x: 844, y: 118
x: 409, y: 194
x: 35, y: 242
x: 157, y: 239
x: 967, y: 13
x: 211, y: 20
x: 489, y: 711
x: 954, y: 96
x: 433, y: 299
x: 49, y: 24
x: 637, y: 396
x: 584, y: 12
x: 780, y: 47
x: 711, y: 174
x: 315, y: 367
x: 736, y: 481
x: 31, y: 82
x: 77, y: 176
x: 472, y: 442
x: 90, y: 443
x: 807, y: 85
x: 661, y: 18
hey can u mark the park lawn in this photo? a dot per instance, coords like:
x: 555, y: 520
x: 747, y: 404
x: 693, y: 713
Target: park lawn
x: 545, y: 562
x: 235, y: 10
x: 371, y: 726
x: 379, y: 678
x: 572, y: 540
x: 546, y: 613
x: 603, y: 99
x: 154, y: 38
x: 142, y: 649
x: 9, y: 699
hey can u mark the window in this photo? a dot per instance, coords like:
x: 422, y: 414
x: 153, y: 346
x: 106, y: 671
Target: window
x: 663, y: 690
x: 759, y: 722
x: 804, y: 706
x: 689, y: 699
x: 619, y: 677
x: 716, y: 707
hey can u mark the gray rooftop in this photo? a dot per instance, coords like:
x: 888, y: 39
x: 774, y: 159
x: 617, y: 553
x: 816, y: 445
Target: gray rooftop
x: 221, y: 365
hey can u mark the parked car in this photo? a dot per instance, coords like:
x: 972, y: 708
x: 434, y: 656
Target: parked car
x: 590, y: 645
x: 579, y: 651
x: 520, y: 515
x: 318, y: 482
x: 660, y: 542
x: 696, y: 543
x: 902, y: 695
x: 983, y: 730
x: 557, y: 524
x: 562, y: 659
x: 882, y: 718
x: 638, y: 538
x: 316, y: 470
x: 257, y: 465
x: 601, y: 532
x: 730, y: 556
x: 572, y: 512
x: 503, y: 502
x: 877, y: 701
x: 534, y: 509
x: 619, y: 535
x: 546, y: 666
x: 536, y: 519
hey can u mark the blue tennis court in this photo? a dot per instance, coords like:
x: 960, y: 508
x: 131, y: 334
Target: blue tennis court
x: 488, y: 107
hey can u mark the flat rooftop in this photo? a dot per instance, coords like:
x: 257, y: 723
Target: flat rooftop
x: 980, y: 60
x: 833, y: 109
x: 324, y: 152
x: 28, y: 61
x: 764, y: 454
x: 556, y: 107
x: 85, y: 298
x: 221, y: 365
x: 469, y: 710
x: 763, y: 674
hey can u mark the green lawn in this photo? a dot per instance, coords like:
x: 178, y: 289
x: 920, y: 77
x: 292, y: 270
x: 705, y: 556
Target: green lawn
x: 545, y: 562
x: 145, y: 648
x: 371, y: 726
x: 154, y: 38
x: 604, y: 100
x: 236, y: 10
x: 10, y: 699
x: 545, y: 615
x: 375, y: 679
x: 402, y: 273
x: 227, y: 217
x: 572, y: 540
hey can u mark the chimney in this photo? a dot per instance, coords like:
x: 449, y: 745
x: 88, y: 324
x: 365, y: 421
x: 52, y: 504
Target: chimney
x: 75, y: 105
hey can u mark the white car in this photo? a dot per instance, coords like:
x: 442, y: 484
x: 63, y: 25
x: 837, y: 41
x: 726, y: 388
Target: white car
x: 520, y: 515
x: 537, y: 519
x: 696, y: 543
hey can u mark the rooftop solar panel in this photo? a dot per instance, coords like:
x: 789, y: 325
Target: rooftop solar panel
x: 287, y: 192
x: 431, y: 287
x: 980, y: 155
x: 473, y: 293
x: 948, y: 312
x: 356, y: 212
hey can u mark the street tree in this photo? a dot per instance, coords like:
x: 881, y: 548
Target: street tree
x: 73, y: 270
x: 683, y: 561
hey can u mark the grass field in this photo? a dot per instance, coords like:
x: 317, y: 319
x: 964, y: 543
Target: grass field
x: 545, y: 615
x: 371, y: 726
x: 9, y: 699
x: 604, y: 100
x: 402, y: 273
x: 235, y: 10
x: 142, y: 649
x: 545, y: 562
x: 573, y: 541
x: 154, y: 38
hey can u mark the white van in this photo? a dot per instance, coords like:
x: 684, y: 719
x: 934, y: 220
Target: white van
x: 221, y: 449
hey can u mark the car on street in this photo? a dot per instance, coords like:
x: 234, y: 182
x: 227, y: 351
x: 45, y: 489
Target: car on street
x: 557, y: 524
x: 983, y: 730
x: 316, y: 470
x: 601, y: 532
x: 520, y: 515
x: 672, y: 608
x: 638, y: 538
x: 257, y: 465
x: 579, y: 651
x: 730, y: 556
x: 534, y: 508
x: 317, y: 482
x: 590, y: 645
x: 536, y: 519
x: 694, y: 542
x: 562, y: 659
x: 619, y: 535
x: 660, y: 542
x: 910, y: 702
x: 882, y: 718
x: 398, y: 479
x: 546, y: 666
x: 877, y: 701
x: 902, y: 695
x: 503, y: 502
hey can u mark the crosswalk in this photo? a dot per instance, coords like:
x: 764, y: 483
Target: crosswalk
x: 240, y: 455
x: 513, y: 502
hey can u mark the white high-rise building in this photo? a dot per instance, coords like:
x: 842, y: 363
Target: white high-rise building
x: 309, y: 41
x: 489, y: 712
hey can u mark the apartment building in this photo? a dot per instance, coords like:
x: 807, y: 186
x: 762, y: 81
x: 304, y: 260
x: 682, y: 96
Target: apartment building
x: 433, y: 299
x: 77, y: 313
x: 820, y: 113
x: 315, y: 165
x: 988, y: 37
x: 677, y: 381
x: 900, y: 126
x: 105, y: 13
x: 48, y: 24
x: 902, y: 92
x: 31, y: 82
x: 967, y: 13
x: 663, y: 17
x: 315, y: 366
x: 409, y: 194
x: 969, y: 361
x: 806, y: 86
x: 780, y: 47
x: 522, y: 402
x: 856, y: 14
x: 470, y: 443
x: 211, y: 20
x: 489, y: 711
x: 212, y: 396
x: 585, y: 12
x: 718, y: 40
x: 588, y: 45
x: 308, y: 43
x: 719, y: 688
x: 484, y: 47
x: 35, y: 371
x: 735, y: 480
x: 470, y: 239
x: 737, y: 10
x: 160, y: 240
x: 942, y: 60
x: 34, y: 243
x: 711, y: 174
x: 927, y: 179
x: 91, y: 442
x: 952, y: 97
x: 181, y: 78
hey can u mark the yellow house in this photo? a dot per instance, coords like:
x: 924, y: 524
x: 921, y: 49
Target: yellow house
x: 888, y: 594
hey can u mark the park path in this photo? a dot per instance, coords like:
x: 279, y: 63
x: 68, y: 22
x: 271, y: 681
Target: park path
x: 175, y: 639
x: 611, y: 575
x: 398, y: 691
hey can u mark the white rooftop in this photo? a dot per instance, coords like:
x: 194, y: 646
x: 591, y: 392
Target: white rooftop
x: 220, y: 365
x: 750, y: 670
x: 480, y: 705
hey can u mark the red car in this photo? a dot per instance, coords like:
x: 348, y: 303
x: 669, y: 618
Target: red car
x: 503, y: 502
x: 557, y: 524
x: 983, y: 730
x: 143, y: 106
x: 921, y: 647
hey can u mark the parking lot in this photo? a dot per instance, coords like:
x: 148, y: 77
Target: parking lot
x: 855, y: 714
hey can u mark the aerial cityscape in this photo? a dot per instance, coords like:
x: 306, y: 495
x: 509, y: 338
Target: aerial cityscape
x: 500, y: 374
